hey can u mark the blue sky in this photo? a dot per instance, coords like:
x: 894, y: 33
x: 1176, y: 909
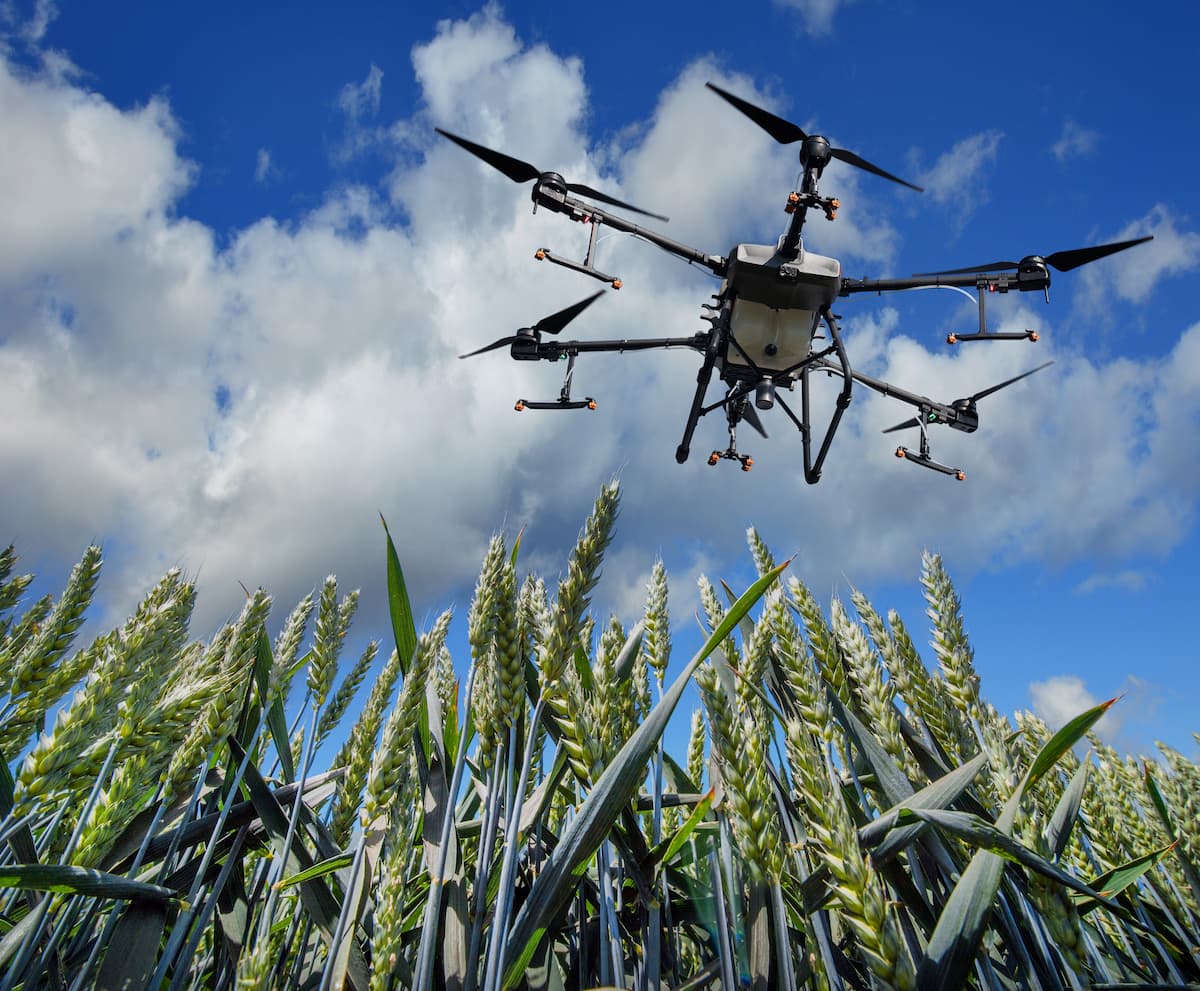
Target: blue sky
x: 236, y: 264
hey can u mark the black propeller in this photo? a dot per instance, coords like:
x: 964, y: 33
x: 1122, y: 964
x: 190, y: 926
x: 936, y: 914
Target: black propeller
x: 966, y: 404
x: 914, y: 422
x: 1063, y: 261
x: 552, y: 324
x: 1007, y: 382
x: 785, y: 132
x: 519, y: 171
x: 750, y: 415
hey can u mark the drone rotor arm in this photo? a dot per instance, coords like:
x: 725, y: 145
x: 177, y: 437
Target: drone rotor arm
x: 880, y: 386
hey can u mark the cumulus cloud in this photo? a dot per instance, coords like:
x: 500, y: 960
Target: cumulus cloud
x: 246, y: 408
x: 956, y: 179
x: 817, y: 15
x: 359, y: 104
x: 1126, y: 580
x: 1076, y: 141
x: 1061, y: 698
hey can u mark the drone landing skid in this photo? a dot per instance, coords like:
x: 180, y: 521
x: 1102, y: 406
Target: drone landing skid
x: 925, y: 461
x: 584, y: 267
x: 987, y: 335
x: 564, y: 400
x: 524, y: 404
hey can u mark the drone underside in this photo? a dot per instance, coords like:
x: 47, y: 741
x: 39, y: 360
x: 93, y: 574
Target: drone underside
x: 765, y: 322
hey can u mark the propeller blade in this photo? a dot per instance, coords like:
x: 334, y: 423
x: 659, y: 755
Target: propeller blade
x: 969, y: 270
x: 783, y: 131
x: 1008, y: 382
x: 914, y: 422
x: 1064, y: 261
x: 491, y: 347
x: 595, y: 194
x: 750, y: 415
x: 514, y: 168
x: 554, y: 323
x: 852, y: 159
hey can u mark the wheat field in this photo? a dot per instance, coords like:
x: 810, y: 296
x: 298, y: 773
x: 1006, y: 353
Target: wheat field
x: 847, y: 814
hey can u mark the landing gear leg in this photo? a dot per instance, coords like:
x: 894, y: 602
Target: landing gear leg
x: 703, y: 377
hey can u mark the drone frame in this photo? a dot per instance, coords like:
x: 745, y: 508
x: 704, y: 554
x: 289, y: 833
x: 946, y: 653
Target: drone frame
x: 719, y: 345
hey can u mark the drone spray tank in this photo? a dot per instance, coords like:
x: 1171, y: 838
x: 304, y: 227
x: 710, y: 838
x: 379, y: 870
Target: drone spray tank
x: 773, y: 304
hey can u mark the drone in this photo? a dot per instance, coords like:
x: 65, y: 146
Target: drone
x: 764, y: 324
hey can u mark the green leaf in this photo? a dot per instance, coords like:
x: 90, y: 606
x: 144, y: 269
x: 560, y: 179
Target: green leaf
x: 559, y: 876
x: 1112, y: 883
x: 277, y: 723
x: 1058, y: 832
x: 133, y: 948
x: 670, y: 846
x: 328, y: 866
x: 888, y: 837
x: 314, y: 893
x: 1062, y: 741
x: 67, y: 879
x: 404, y: 630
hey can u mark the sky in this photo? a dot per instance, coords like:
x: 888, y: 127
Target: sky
x: 237, y: 265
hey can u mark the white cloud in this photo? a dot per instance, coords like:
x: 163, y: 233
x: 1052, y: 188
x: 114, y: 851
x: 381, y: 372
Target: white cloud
x: 1127, y: 580
x: 956, y: 179
x: 359, y: 103
x: 817, y: 14
x: 359, y: 100
x: 264, y: 168
x: 1060, y: 699
x: 1130, y: 719
x: 247, y: 410
x: 1076, y: 141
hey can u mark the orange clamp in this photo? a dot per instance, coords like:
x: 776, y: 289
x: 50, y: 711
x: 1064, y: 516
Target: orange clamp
x: 591, y: 404
x: 616, y: 283
x: 540, y: 254
x: 792, y: 200
x: 519, y: 406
